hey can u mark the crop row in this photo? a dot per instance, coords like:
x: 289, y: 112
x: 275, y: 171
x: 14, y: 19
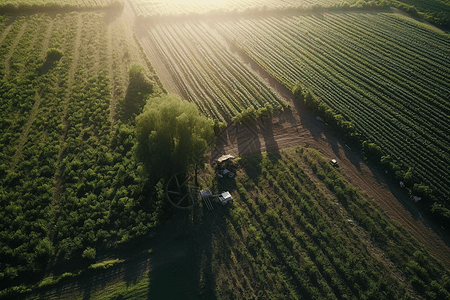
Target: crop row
x: 208, y: 74
x: 393, y: 86
x: 176, y: 7
x: 297, y: 229
x: 77, y: 3
x: 67, y: 174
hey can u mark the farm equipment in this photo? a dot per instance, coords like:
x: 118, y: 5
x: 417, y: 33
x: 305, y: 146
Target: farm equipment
x: 223, y: 166
x: 225, y: 173
x: 334, y: 163
x: 207, y: 196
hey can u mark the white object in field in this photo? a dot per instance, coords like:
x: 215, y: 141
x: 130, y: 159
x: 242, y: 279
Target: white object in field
x: 225, y: 197
x: 402, y: 185
x: 334, y: 163
x: 417, y: 198
x: 319, y: 119
x: 224, y: 158
x: 206, y: 197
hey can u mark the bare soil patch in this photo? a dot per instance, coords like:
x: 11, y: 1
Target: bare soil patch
x: 293, y: 127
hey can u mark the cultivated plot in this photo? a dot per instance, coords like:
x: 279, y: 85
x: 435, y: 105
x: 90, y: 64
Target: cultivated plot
x: 206, y: 72
x: 178, y: 7
x: 386, y: 74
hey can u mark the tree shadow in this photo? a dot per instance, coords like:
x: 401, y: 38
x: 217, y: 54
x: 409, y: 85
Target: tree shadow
x: 251, y: 166
x: 248, y: 139
x: 333, y: 141
x: 49, y: 64
x: 171, y: 274
x: 135, y: 96
x: 353, y: 154
x: 266, y: 128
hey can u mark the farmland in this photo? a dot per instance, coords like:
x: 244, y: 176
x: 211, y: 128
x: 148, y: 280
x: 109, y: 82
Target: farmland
x: 281, y: 240
x: 151, y: 8
x: 65, y: 159
x: 207, y: 73
x: 80, y: 217
x: 11, y: 5
x: 296, y: 229
x: 392, y: 82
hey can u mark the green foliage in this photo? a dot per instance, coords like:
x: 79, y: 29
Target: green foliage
x: 69, y: 180
x: 105, y: 264
x: 42, y: 6
x: 358, y: 92
x: 89, y: 253
x: 171, y: 136
x: 299, y: 92
x: 314, y: 237
x: 372, y: 151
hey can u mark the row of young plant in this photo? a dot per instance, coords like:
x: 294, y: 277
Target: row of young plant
x: 173, y: 8
x: 191, y: 10
x: 293, y: 233
x: 209, y: 74
x: 103, y: 194
x: 38, y: 6
x: 69, y: 181
x: 434, y: 11
x: 26, y: 182
x: 355, y: 92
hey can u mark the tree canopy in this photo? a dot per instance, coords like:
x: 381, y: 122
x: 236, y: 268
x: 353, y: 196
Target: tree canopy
x: 172, y: 136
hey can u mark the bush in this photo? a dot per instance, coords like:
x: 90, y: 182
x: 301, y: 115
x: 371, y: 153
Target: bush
x: 89, y: 253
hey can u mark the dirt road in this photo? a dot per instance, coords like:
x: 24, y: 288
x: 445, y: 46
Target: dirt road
x: 297, y: 127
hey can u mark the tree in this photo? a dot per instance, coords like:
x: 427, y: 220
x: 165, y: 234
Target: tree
x: 172, y: 136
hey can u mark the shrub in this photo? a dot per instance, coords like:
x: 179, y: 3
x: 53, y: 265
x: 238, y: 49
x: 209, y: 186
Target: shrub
x: 89, y: 253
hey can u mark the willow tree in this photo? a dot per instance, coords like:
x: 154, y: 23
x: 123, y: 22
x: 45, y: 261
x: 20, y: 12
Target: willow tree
x: 172, y: 136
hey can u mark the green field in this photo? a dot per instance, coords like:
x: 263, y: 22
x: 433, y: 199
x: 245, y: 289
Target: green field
x: 154, y: 8
x: 68, y: 176
x: 209, y: 75
x: 18, y: 5
x: 384, y: 73
x: 296, y: 229
x: 73, y: 195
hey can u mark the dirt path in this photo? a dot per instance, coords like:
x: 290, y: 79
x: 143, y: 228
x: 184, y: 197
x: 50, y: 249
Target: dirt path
x: 6, y: 31
x: 13, y: 47
x: 294, y: 127
x: 48, y: 35
x: 66, y: 102
x: 26, y: 130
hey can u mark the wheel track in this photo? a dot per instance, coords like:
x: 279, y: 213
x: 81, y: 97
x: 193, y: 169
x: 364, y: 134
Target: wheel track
x: 112, y: 103
x: 58, y: 173
x: 24, y: 135
x: 48, y: 35
x: 13, y: 47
